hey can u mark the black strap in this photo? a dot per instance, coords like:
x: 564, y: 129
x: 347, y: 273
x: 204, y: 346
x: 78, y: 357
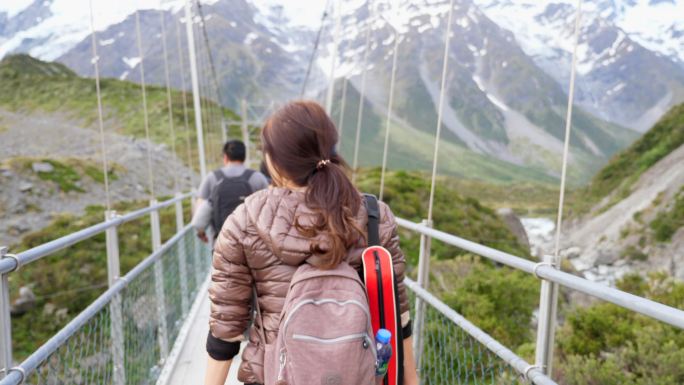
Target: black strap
x: 373, y: 220
x: 219, y: 175
x: 247, y: 175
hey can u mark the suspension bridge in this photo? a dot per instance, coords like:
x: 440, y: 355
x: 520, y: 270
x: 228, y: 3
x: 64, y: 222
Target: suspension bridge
x: 149, y: 325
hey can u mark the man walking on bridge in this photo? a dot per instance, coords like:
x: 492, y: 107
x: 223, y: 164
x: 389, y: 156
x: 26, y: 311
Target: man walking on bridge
x: 225, y: 189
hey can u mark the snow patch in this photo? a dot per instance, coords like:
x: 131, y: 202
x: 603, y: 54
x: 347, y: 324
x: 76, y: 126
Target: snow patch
x: 13, y: 7
x: 104, y: 43
x: 249, y: 39
x: 500, y: 104
x: 131, y: 62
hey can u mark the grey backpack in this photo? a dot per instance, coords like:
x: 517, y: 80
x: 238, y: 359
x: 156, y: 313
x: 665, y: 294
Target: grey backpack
x: 325, y: 334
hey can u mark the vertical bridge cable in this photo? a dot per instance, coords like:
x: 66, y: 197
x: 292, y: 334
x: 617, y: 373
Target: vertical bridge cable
x: 568, y: 127
x: 359, y: 117
x: 548, y: 304
x: 144, y: 104
x: 209, y: 107
x: 212, y: 67
x: 197, y: 109
x: 183, y: 95
x: 342, y: 108
x: 168, y: 95
x: 206, y: 129
x: 389, y: 113
x: 96, y: 59
x: 333, y: 54
x: 313, y: 53
x: 440, y: 109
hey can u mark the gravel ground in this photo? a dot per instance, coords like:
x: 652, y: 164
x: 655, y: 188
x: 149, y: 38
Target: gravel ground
x: 28, y: 203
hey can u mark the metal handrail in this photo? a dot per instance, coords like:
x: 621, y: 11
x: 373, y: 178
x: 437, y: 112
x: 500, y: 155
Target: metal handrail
x: 14, y: 375
x: 647, y: 307
x: 532, y: 373
x: 10, y: 264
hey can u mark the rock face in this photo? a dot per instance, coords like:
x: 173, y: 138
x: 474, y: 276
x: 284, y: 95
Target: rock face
x: 515, y: 225
x: 604, y: 246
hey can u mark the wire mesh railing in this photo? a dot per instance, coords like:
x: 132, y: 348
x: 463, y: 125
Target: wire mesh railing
x: 452, y: 351
x: 90, y: 350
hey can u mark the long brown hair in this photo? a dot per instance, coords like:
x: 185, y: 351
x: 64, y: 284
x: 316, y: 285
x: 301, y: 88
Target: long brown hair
x: 299, y: 140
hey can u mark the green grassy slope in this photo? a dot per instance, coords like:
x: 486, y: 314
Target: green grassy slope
x: 74, y: 277
x: 28, y: 84
x: 413, y: 149
x: 625, y: 168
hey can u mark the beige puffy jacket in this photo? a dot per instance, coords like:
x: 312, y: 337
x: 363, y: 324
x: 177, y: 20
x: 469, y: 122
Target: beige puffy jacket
x: 260, y: 246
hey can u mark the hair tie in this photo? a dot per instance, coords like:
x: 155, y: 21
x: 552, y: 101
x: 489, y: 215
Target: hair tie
x: 322, y: 163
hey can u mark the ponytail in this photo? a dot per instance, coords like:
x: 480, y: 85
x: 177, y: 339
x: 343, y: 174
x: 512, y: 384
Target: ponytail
x: 299, y: 140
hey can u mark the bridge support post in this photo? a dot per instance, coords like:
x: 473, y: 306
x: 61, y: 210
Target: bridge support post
x: 115, y: 311
x: 546, y: 324
x: 182, y: 258
x: 159, y: 285
x: 245, y: 130
x: 423, y: 281
x: 5, y: 321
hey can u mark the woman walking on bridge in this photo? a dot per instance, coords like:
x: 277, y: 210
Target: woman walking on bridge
x: 311, y: 223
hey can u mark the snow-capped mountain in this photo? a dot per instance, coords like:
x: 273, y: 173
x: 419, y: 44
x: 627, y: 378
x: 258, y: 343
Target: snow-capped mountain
x: 506, y: 87
x: 49, y: 28
x: 629, y: 57
x: 257, y: 56
x: 499, y: 101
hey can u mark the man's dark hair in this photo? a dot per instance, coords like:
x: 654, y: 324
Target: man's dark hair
x: 235, y: 150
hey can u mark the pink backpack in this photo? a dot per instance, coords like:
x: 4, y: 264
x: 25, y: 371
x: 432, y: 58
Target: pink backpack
x: 325, y: 334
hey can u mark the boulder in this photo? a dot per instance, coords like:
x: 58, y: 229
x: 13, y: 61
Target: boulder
x: 62, y: 314
x: 515, y: 225
x: 571, y: 252
x: 49, y: 309
x: 25, y: 302
x: 25, y: 186
x: 42, y: 167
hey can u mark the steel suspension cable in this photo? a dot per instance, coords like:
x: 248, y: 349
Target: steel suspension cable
x: 548, y: 307
x: 390, y: 105
x: 315, y: 49
x: 144, y: 104
x: 186, y: 121
x: 440, y: 109
x: 342, y: 108
x: 212, y: 66
x: 568, y: 127
x: 206, y: 129
x: 168, y: 95
x: 336, y: 38
x: 100, y: 120
x: 362, y: 93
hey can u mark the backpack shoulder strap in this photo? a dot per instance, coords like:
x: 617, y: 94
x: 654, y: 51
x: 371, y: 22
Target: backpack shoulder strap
x: 247, y: 174
x: 219, y: 175
x: 373, y: 219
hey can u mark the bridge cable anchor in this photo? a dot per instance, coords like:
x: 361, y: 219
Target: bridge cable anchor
x: 540, y: 264
x: 17, y: 263
x: 17, y: 369
x: 528, y: 369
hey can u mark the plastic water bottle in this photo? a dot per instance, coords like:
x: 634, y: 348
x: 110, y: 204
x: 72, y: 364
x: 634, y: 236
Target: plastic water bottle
x: 384, y: 349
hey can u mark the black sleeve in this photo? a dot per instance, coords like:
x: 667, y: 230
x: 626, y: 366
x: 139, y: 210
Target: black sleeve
x: 221, y: 350
x: 407, y: 330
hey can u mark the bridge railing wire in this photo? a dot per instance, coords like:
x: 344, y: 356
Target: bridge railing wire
x: 454, y: 351
x: 83, y: 352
